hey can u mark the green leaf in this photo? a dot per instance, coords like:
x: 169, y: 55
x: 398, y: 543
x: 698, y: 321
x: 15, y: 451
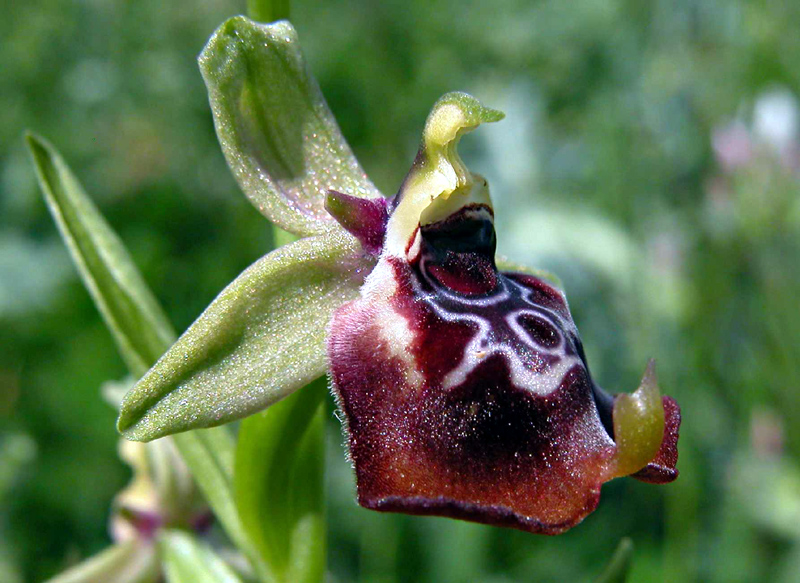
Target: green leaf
x: 278, y: 135
x: 268, y: 10
x: 187, y: 560
x: 129, y: 562
x: 619, y: 566
x: 135, y: 318
x: 139, y: 326
x: 261, y: 339
x: 279, y: 485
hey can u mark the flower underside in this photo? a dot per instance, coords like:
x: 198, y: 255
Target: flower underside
x: 465, y: 390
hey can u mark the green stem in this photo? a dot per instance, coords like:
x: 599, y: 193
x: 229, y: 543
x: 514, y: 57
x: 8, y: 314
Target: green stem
x: 268, y: 10
x: 619, y: 566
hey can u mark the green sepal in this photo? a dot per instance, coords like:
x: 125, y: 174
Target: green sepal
x: 279, y: 485
x: 261, y: 339
x: 131, y: 312
x: 133, y: 561
x: 187, y: 560
x: 278, y: 135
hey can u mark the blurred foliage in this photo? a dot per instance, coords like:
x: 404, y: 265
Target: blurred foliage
x: 649, y: 157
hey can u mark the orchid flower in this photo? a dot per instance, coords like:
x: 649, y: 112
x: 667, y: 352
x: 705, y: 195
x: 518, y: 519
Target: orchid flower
x: 464, y: 389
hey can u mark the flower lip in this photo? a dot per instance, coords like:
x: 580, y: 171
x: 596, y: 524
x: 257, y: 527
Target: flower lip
x: 466, y: 391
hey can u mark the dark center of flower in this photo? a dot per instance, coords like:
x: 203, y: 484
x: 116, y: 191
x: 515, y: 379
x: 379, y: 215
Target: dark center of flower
x: 458, y: 252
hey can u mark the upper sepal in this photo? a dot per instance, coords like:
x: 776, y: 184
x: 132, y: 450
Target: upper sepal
x: 278, y: 135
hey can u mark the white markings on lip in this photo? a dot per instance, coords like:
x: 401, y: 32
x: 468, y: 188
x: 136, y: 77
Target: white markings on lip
x: 395, y: 332
x: 538, y: 369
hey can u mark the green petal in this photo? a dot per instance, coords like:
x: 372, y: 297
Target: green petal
x: 187, y: 560
x: 129, y: 562
x: 279, y: 485
x: 278, y: 135
x: 139, y: 326
x: 258, y: 341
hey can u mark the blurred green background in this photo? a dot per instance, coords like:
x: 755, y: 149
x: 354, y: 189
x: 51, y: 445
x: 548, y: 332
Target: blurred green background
x: 650, y: 157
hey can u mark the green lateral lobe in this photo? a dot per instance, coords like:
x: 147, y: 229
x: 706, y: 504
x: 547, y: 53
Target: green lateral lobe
x: 262, y: 338
x: 278, y: 135
x: 139, y: 326
x: 279, y: 485
x: 187, y: 560
x: 129, y: 562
